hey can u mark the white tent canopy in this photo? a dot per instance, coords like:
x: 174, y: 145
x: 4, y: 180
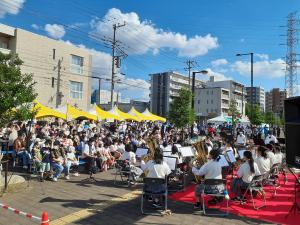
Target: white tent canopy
x: 218, y: 119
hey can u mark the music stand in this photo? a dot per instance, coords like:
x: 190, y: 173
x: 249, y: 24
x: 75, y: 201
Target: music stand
x: 295, y: 206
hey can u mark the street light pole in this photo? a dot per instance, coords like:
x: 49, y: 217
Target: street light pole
x: 193, y: 93
x: 251, y: 96
x: 251, y: 93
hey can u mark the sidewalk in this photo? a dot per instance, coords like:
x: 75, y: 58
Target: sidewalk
x: 77, y: 202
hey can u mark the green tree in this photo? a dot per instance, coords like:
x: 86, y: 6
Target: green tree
x: 234, y: 113
x: 269, y: 118
x: 257, y: 116
x: 181, y: 114
x: 16, y: 90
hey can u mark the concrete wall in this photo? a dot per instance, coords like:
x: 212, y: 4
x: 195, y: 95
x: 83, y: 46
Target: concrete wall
x: 37, y: 53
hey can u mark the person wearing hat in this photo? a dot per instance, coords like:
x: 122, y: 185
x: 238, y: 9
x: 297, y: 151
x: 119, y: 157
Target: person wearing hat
x: 59, y: 162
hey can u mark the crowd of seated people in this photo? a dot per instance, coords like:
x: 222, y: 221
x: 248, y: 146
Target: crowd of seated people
x: 58, y: 147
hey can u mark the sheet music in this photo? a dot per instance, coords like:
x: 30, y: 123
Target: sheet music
x: 178, y: 145
x: 186, y: 151
x: 167, y: 153
x: 231, y: 156
x: 141, y: 152
x: 241, y: 153
x: 171, y: 161
x: 223, y: 161
x: 168, y: 148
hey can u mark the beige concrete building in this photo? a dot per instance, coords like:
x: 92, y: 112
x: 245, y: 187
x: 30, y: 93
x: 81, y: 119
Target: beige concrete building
x: 41, y: 56
x: 237, y: 91
x: 211, y: 102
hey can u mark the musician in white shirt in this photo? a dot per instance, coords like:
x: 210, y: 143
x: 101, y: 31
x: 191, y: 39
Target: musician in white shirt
x: 270, y: 138
x: 241, y: 139
x: 130, y: 156
x: 262, y: 161
x: 278, y: 154
x: 156, y: 168
x: 210, y: 170
x: 246, y: 172
x: 270, y: 153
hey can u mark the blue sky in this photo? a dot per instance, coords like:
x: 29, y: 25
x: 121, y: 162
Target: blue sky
x: 162, y: 35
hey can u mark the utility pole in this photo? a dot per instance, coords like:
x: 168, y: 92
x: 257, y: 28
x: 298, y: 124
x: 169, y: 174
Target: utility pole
x: 190, y: 66
x: 114, y: 42
x: 291, y: 83
x: 99, y: 87
x: 58, y: 93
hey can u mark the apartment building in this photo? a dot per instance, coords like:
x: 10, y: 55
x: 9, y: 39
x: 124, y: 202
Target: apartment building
x: 211, y: 102
x: 164, y: 87
x: 236, y: 90
x: 62, y: 71
x: 275, y: 101
x: 258, y: 96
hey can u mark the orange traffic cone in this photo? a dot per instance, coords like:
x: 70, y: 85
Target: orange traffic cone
x: 45, y: 219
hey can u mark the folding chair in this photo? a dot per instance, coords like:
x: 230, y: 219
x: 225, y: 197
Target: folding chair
x: 256, y: 185
x: 150, y: 182
x: 273, y: 178
x: 214, y: 193
x: 122, y: 169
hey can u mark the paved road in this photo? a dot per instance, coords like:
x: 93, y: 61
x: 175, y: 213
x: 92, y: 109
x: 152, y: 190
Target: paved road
x: 78, y: 202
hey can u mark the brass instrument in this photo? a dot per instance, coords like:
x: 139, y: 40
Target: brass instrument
x: 152, y: 145
x: 200, y: 157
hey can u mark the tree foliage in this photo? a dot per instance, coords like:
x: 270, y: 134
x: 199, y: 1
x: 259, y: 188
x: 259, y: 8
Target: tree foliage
x: 270, y: 118
x: 257, y: 117
x: 16, y: 90
x: 233, y: 111
x: 181, y: 114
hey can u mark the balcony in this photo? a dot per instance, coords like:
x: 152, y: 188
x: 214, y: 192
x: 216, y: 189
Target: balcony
x: 5, y: 50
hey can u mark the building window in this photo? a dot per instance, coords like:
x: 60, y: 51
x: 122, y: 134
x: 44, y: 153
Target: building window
x: 3, y: 45
x: 207, y: 92
x: 75, y: 90
x: 198, y: 101
x: 212, y: 92
x: 212, y: 101
x: 207, y: 110
x: 207, y: 101
x: 76, y: 64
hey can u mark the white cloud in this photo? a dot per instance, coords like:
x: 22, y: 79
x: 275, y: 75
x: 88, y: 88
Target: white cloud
x: 263, y: 56
x: 265, y: 68
x: 219, y: 62
x: 131, y: 88
x: 217, y: 75
x: 134, y: 88
x: 10, y: 7
x: 35, y: 26
x: 140, y: 37
x: 55, y: 31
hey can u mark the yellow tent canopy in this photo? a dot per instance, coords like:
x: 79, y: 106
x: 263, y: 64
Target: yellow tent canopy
x: 126, y: 116
x: 44, y: 111
x: 106, y: 115
x: 155, y: 117
x: 76, y: 113
x: 141, y: 116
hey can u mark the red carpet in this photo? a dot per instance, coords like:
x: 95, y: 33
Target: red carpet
x: 275, y: 211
